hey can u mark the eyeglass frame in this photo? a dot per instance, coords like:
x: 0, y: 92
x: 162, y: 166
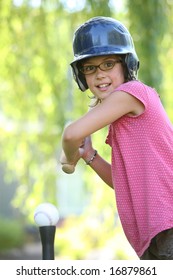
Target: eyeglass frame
x: 98, y: 66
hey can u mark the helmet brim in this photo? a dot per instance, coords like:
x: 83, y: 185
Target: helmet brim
x: 97, y: 52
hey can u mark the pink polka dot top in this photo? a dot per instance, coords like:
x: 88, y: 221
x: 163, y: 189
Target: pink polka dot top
x: 142, y: 168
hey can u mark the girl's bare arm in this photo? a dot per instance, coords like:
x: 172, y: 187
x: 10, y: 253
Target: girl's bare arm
x: 112, y: 108
x: 103, y: 169
x: 98, y: 164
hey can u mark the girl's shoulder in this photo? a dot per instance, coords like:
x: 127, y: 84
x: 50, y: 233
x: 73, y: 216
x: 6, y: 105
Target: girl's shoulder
x: 139, y: 90
x: 147, y: 95
x: 134, y: 85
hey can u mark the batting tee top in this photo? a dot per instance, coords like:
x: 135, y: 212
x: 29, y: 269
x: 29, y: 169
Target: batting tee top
x: 142, y: 168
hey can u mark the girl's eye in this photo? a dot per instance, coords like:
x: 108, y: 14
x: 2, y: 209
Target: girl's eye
x: 88, y: 68
x: 109, y: 64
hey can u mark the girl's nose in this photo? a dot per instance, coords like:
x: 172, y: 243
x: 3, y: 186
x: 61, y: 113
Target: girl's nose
x: 100, y: 73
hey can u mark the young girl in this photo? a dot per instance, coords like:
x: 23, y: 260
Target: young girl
x: 140, y: 135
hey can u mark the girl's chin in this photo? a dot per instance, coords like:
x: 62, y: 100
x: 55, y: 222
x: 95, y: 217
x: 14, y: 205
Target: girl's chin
x: 104, y: 95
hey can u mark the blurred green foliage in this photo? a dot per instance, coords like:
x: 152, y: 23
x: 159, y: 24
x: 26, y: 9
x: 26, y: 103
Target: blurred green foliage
x: 149, y: 26
x: 38, y: 96
x: 11, y: 234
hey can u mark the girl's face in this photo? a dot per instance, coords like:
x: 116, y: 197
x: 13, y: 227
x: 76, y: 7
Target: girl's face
x: 103, y: 74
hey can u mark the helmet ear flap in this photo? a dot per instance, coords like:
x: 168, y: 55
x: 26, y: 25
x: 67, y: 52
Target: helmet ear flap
x: 79, y: 78
x: 132, y: 63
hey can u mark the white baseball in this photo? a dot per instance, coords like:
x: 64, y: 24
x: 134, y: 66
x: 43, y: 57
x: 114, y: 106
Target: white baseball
x: 46, y: 214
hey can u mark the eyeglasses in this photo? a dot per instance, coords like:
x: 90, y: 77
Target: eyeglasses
x: 104, y: 66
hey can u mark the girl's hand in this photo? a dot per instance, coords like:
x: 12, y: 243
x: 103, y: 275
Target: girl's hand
x: 85, y: 152
x: 86, y: 149
x: 68, y: 167
x: 64, y: 160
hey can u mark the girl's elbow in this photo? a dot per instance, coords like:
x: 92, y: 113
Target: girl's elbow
x: 69, y: 135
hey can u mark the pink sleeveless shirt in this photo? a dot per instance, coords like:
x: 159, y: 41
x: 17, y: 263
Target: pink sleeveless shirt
x: 142, y: 168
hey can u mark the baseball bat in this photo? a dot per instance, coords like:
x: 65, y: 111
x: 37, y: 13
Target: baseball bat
x: 68, y: 168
